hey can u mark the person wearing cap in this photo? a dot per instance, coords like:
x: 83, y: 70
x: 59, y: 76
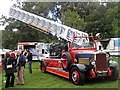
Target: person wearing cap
x: 13, y: 56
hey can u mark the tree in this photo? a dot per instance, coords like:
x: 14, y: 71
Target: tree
x: 72, y: 19
x: 112, y: 15
x: 0, y: 39
x: 104, y: 20
x: 9, y: 39
x: 37, y: 8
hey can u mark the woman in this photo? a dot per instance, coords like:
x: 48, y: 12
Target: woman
x: 9, y: 70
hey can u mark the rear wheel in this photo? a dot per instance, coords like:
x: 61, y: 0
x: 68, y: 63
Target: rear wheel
x: 68, y: 61
x: 77, y: 77
x: 43, y: 67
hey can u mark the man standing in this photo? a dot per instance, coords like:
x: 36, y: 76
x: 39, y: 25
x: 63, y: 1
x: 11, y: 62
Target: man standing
x: 2, y: 58
x: 9, y: 67
x: 21, y: 60
x: 29, y: 57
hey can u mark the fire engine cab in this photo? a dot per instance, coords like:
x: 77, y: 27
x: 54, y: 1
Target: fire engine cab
x: 81, y: 61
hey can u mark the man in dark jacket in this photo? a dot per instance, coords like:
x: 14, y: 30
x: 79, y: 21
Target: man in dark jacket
x: 9, y: 70
x: 21, y: 60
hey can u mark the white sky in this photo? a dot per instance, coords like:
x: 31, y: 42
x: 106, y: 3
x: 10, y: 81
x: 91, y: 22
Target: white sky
x: 4, y: 9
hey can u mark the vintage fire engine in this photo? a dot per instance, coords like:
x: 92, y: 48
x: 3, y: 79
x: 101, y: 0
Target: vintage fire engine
x: 81, y: 61
x: 78, y: 62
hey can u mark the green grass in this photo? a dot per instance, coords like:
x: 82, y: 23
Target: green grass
x: 0, y: 81
x: 46, y: 80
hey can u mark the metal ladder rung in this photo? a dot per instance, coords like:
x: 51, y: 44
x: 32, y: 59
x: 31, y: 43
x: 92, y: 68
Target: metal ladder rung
x: 61, y: 31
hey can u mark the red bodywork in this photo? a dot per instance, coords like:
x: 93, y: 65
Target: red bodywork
x: 55, y: 66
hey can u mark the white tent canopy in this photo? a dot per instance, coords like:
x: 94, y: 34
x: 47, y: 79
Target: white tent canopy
x: 3, y: 51
x: 7, y: 50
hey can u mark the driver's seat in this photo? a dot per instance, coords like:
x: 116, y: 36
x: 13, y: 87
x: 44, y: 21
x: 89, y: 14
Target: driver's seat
x: 66, y: 48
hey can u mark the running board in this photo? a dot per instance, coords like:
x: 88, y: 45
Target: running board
x: 58, y: 71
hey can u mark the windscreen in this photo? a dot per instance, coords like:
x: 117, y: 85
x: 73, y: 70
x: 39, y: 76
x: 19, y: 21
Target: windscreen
x: 83, y: 43
x: 117, y: 43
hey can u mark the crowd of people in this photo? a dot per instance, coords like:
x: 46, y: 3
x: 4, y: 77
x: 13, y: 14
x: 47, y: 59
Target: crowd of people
x: 14, y: 62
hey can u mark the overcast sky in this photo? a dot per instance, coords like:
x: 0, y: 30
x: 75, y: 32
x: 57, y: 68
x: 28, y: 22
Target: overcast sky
x: 4, y: 8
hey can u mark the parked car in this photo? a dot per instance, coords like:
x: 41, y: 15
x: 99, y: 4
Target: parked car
x: 112, y: 46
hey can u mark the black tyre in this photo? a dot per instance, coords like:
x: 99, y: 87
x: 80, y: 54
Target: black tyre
x: 114, y: 76
x: 76, y: 76
x: 68, y: 62
x: 43, y: 67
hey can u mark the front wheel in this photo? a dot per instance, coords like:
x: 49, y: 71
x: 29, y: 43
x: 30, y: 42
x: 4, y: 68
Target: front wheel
x: 77, y: 77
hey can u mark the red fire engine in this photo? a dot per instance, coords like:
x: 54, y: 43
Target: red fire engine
x: 81, y: 61
x: 78, y: 62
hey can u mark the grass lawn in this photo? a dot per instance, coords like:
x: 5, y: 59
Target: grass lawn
x: 0, y: 81
x: 46, y: 80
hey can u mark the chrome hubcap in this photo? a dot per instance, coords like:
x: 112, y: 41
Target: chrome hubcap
x: 74, y: 76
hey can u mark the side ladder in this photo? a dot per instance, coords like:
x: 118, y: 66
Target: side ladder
x: 46, y: 25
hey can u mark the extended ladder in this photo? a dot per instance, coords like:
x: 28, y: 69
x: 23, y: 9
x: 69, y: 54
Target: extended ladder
x: 49, y: 26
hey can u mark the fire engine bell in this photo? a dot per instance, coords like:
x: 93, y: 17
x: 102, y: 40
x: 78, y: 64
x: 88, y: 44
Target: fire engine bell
x: 98, y: 43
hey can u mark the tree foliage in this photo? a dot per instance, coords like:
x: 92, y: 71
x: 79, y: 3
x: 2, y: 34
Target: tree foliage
x: 72, y: 19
